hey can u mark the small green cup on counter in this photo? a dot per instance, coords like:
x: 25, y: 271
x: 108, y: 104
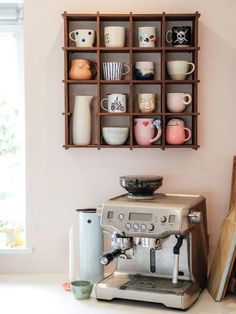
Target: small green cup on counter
x: 82, y: 289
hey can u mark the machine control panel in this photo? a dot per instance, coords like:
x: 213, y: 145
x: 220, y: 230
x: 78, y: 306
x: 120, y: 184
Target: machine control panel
x: 146, y: 222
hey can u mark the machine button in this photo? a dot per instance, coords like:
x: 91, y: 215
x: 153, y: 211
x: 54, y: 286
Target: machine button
x: 128, y: 226
x: 143, y: 227
x: 136, y: 226
x: 163, y: 219
x: 150, y: 227
x: 121, y: 216
x: 172, y: 219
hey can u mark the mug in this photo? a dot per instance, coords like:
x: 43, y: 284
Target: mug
x: 83, y: 37
x: 147, y: 36
x: 114, y: 36
x: 114, y: 70
x: 146, y: 102
x: 144, y: 70
x: 177, y: 102
x: 81, y: 289
x: 115, y: 103
x: 178, y: 69
x: 176, y: 132
x: 144, y: 130
x: 179, y: 36
x: 82, y: 69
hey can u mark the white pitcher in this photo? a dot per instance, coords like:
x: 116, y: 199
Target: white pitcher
x: 81, y: 120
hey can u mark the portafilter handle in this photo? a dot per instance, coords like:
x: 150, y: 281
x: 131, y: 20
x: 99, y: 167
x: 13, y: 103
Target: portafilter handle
x: 109, y: 257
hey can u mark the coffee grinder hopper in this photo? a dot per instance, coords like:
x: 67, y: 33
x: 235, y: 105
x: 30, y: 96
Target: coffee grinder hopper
x: 141, y: 187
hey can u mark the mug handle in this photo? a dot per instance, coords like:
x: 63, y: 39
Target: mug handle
x: 157, y: 124
x: 93, y: 68
x: 128, y: 69
x: 189, y: 134
x: 102, y: 101
x: 189, y: 99
x: 167, y: 36
x: 193, y: 68
x: 70, y: 35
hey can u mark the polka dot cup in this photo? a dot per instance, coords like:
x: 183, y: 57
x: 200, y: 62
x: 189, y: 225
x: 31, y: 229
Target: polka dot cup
x: 83, y: 37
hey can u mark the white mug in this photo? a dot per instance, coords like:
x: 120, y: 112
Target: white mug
x: 115, y: 103
x: 83, y: 37
x: 114, y: 36
x: 178, y: 70
x: 177, y: 102
x: 147, y: 36
x: 146, y: 102
x: 114, y: 70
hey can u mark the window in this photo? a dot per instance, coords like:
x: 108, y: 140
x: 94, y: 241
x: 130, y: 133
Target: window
x: 12, y: 159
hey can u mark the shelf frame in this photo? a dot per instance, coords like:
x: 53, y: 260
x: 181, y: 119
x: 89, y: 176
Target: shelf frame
x: 131, y: 50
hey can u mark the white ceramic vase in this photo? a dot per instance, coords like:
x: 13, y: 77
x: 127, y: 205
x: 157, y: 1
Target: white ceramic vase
x: 81, y: 120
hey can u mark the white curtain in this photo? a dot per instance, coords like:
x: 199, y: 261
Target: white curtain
x: 11, y: 13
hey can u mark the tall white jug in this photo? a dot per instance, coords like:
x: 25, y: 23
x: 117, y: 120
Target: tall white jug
x: 86, y: 247
x: 81, y: 120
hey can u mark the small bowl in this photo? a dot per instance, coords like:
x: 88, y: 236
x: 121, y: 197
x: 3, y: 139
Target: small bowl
x: 81, y: 289
x: 115, y: 135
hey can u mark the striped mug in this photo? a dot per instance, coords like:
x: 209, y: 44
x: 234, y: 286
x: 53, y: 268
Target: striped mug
x: 114, y: 70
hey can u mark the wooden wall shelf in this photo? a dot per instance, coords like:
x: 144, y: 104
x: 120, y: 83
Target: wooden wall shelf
x: 130, y: 54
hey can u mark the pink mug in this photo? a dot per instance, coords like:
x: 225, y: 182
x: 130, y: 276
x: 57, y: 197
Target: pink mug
x: 176, y: 134
x: 144, y: 130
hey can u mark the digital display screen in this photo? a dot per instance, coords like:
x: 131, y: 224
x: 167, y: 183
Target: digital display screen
x: 110, y: 215
x: 140, y: 217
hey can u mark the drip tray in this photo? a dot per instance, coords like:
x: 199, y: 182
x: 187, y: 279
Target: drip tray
x: 154, y: 284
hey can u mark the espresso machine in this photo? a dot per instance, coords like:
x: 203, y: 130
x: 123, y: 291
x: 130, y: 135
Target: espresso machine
x: 159, y: 242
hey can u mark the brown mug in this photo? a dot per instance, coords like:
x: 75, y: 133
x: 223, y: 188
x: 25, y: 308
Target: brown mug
x: 82, y: 69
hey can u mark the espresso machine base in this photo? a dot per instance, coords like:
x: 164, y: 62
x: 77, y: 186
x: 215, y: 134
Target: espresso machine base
x: 148, y: 289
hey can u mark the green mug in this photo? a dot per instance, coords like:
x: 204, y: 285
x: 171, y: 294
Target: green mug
x: 82, y: 289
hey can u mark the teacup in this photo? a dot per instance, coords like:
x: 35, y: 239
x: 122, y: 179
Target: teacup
x: 114, y: 36
x: 115, y: 103
x: 83, y: 37
x: 144, y: 130
x: 178, y: 69
x: 82, y: 289
x: 177, y: 102
x: 179, y: 36
x: 147, y: 36
x: 177, y: 133
x: 144, y: 70
x: 146, y: 102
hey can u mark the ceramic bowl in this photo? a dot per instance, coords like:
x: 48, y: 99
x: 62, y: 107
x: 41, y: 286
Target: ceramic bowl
x: 115, y: 135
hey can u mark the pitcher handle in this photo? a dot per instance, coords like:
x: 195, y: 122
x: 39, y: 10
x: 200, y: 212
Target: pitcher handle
x: 189, y: 134
x: 128, y: 69
x: 157, y: 124
x: 192, y: 70
x: 167, y: 36
x: 102, y: 101
x: 70, y: 35
x: 93, y: 68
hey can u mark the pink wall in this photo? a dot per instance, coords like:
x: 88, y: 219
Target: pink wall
x: 59, y: 181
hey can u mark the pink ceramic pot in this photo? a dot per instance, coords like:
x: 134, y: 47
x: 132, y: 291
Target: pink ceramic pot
x: 177, y: 134
x: 144, y: 130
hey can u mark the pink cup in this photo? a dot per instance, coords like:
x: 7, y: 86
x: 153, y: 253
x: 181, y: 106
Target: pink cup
x: 144, y: 130
x: 176, y: 134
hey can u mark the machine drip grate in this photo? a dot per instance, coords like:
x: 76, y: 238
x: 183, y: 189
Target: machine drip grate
x: 154, y: 284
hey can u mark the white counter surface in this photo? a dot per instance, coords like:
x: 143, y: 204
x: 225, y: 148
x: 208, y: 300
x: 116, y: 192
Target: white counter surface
x: 34, y: 294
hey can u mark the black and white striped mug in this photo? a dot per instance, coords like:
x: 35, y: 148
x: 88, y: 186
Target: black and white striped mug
x: 114, y: 70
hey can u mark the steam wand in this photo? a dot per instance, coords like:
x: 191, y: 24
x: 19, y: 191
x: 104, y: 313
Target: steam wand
x: 176, y: 250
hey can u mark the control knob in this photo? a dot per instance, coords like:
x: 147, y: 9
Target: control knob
x: 150, y: 227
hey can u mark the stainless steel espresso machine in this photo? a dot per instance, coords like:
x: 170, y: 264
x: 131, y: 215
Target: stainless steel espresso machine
x: 159, y: 242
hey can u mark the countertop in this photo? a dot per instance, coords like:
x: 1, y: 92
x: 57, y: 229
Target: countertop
x: 34, y: 294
